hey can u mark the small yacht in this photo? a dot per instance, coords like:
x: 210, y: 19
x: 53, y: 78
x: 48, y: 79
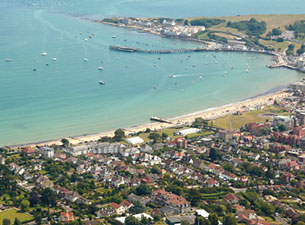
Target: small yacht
x: 54, y: 59
x: 200, y: 77
x: 85, y: 60
x: 86, y: 39
x: 114, y: 37
x: 100, y: 68
x: 101, y: 82
x: 44, y: 53
x: 34, y: 69
x: 8, y: 60
x: 171, y: 76
x: 231, y: 67
x: 247, y: 71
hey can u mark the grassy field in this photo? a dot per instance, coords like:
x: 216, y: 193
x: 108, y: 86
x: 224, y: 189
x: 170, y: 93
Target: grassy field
x: 11, y: 214
x: 272, y: 21
x: 227, y: 36
x: 276, y: 45
x: 253, y: 116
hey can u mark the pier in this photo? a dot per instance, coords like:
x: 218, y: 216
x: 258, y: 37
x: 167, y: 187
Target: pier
x: 182, y: 50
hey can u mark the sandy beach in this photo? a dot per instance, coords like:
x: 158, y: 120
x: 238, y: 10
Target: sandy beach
x: 209, y: 114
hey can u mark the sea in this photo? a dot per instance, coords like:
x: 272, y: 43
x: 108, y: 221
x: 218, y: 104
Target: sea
x: 44, y: 99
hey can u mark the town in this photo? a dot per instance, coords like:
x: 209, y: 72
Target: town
x: 220, y: 35
x: 200, y: 173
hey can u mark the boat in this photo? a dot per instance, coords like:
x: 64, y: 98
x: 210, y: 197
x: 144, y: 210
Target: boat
x: 54, y: 59
x: 114, y: 37
x: 225, y: 72
x: 8, y: 60
x: 44, y: 53
x: 86, y: 39
x: 126, y: 66
x: 85, y: 59
x: 200, y: 77
x: 171, y: 76
x: 155, y: 87
x: 100, y: 68
x: 102, y: 82
x: 247, y: 71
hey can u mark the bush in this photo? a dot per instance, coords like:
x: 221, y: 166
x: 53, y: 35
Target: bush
x: 206, y: 22
x: 252, y: 27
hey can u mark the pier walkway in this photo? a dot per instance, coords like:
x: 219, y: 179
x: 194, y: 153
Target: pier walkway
x: 183, y: 50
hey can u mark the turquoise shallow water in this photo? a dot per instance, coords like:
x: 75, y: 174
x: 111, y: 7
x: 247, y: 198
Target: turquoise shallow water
x: 65, y: 99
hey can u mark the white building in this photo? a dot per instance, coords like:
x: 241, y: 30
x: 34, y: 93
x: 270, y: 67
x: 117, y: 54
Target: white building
x: 47, y: 152
x: 187, y: 131
x: 134, y: 140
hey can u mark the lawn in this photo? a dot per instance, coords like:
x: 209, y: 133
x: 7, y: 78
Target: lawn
x: 168, y: 131
x: 227, y: 36
x: 11, y: 214
x: 272, y: 21
x: 276, y: 45
x: 253, y: 116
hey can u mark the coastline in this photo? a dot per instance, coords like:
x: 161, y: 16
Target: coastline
x: 249, y: 104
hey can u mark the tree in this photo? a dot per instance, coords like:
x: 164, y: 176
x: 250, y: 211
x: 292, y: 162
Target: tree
x: 17, y: 222
x: 143, y: 189
x: 155, y: 137
x: 48, y: 198
x: 270, y: 174
x: 155, y: 170
x: 282, y: 128
x: 119, y: 135
x: 201, y: 221
x: 164, y: 136
x: 213, y: 154
x: 276, y: 31
x: 6, y: 221
x: 229, y: 220
x: 213, y: 218
x: 24, y: 205
x: 131, y: 220
x: 34, y: 198
x: 137, y: 208
x: 65, y: 142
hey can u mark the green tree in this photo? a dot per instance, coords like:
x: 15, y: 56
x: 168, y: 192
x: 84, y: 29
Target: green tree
x: 119, y: 135
x: 213, y: 154
x: 155, y: 170
x: 213, y: 218
x: 143, y: 189
x: 164, y: 136
x: 131, y: 220
x: 155, y: 137
x: 137, y: 208
x: 202, y: 221
x: 229, y: 220
x: 34, y: 198
x: 48, y: 198
x: 6, y: 221
x: 282, y: 128
x: 65, y: 142
x: 17, y: 222
x: 24, y: 205
x: 270, y: 174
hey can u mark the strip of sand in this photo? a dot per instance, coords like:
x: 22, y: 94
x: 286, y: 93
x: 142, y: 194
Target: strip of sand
x: 212, y: 113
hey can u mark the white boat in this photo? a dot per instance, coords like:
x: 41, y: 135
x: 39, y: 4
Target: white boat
x: 247, y: 71
x: 85, y: 60
x: 102, y: 82
x: 54, y: 59
x: 100, y: 68
x: 8, y: 60
x: 113, y: 36
x: 44, y: 53
x: 86, y: 39
x: 200, y: 77
x: 171, y: 76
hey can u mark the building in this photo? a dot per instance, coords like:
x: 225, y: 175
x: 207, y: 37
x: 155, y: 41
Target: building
x: 188, y: 131
x: 225, y: 135
x: 27, y: 151
x: 66, y: 217
x: 135, y: 140
x: 47, y: 152
x: 287, y: 121
x: 119, y: 209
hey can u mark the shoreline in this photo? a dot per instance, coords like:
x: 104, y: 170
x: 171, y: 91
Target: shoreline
x: 212, y: 113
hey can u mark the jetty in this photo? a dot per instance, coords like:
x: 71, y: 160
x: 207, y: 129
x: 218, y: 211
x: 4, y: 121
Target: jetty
x: 157, y: 119
x: 183, y: 50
